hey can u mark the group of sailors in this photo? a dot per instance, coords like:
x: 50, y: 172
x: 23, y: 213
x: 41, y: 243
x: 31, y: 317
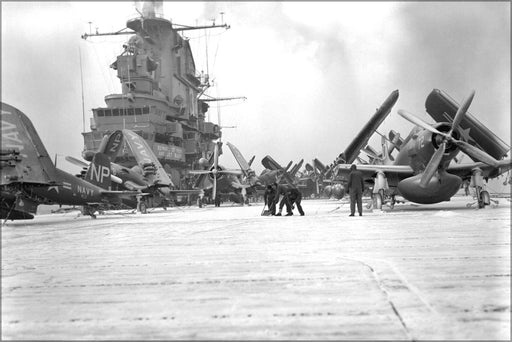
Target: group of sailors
x: 292, y: 197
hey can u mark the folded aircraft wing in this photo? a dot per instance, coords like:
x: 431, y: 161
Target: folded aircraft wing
x: 465, y: 171
x: 239, y: 158
x: 442, y: 108
x: 269, y: 163
x: 144, y: 156
x: 23, y: 155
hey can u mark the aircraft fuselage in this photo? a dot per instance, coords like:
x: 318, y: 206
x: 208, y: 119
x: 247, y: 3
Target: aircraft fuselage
x: 71, y: 190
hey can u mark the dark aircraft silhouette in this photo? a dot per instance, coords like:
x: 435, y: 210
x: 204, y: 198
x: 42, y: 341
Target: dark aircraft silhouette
x: 29, y: 178
x: 421, y: 172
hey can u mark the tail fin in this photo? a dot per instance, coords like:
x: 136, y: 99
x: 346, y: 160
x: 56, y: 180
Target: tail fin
x: 99, y: 171
x: 111, y: 145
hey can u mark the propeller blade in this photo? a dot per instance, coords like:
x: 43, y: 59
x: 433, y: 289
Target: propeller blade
x: 198, y: 172
x: 417, y: 121
x: 432, y: 165
x: 231, y: 172
x: 216, y: 156
x: 214, y: 192
x: 251, y: 160
x: 461, y: 112
x: 77, y: 162
x: 476, y: 153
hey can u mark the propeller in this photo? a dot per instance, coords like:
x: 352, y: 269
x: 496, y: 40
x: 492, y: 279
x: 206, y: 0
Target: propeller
x: 432, y: 165
x: 462, y: 145
x: 215, y: 169
x: 470, y: 150
x: 462, y: 111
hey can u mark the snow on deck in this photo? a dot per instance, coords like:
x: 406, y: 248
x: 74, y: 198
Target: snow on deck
x: 417, y: 272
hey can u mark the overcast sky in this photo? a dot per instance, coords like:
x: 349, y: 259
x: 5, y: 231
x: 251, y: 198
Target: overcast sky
x: 312, y: 72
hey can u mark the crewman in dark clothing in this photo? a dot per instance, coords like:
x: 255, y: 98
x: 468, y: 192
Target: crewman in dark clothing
x: 291, y: 196
x: 295, y: 197
x: 268, y: 197
x: 355, y: 189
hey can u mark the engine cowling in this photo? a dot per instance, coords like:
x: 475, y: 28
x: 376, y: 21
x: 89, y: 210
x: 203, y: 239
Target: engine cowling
x: 328, y: 191
x: 338, y: 191
x: 441, y: 188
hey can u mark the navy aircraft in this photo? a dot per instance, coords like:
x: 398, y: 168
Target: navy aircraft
x: 218, y: 181
x: 422, y: 173
x: 147, y: 177
x: 29, y: 178
x: 273, y: 172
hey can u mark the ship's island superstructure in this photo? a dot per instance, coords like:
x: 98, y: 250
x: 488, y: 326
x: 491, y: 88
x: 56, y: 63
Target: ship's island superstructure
x: 160, y: 97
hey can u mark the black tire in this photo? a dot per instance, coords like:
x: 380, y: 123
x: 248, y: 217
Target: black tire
x: 485, y: 199
x: 377, y: 201
x: 143, y: 208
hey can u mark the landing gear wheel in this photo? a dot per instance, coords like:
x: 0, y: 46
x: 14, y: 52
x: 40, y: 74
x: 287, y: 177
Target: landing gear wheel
x: 142, y: 208
x: 483, y: 199
x: 377, y: 201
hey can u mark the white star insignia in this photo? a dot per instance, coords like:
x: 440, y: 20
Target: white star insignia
x: 54, y: 187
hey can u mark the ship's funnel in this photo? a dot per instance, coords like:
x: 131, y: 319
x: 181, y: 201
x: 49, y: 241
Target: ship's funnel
x: 150, y: 9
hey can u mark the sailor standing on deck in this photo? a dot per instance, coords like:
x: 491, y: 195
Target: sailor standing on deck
x: 355, y: 189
